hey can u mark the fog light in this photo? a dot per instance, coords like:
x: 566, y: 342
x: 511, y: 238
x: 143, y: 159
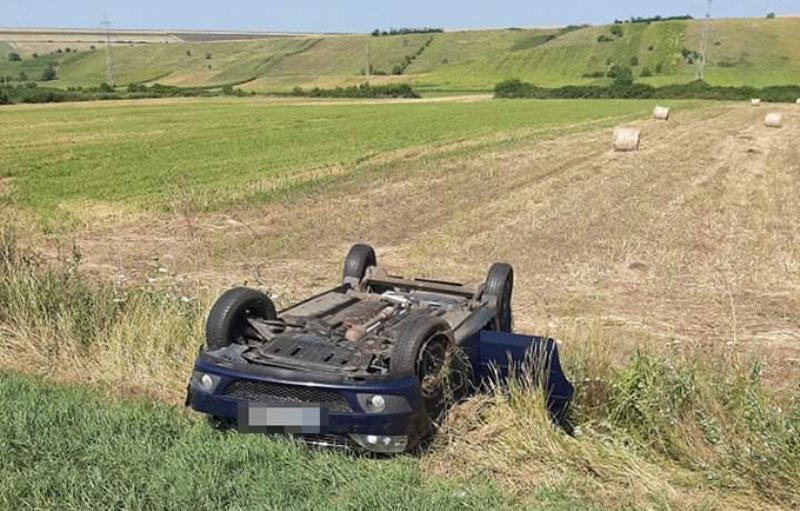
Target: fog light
x: 377, y: 403
x: 384, y: 444
x: 206, y: 382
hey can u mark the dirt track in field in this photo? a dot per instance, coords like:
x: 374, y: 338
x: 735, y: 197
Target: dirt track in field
x: 695, y: 238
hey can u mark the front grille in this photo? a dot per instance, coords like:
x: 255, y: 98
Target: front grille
x: 266, y: 392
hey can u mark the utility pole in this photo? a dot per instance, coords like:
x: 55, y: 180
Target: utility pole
x: 109, y: 56
x: 701, y: 64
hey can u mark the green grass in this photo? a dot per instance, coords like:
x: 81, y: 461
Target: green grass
x: 182, y: 64
x: 753, y: 51
x: 68, y: 448
x: 32, y: 67
x: 223, y: 151
x: 766, y: 52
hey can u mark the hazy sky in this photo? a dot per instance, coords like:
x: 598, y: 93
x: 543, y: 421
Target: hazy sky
x: 360, y: 15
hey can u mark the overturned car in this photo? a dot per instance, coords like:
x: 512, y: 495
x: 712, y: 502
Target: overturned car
x: 372, y: 363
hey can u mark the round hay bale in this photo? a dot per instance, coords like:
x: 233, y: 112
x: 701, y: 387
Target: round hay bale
x: 798, y: 101
x: 755, y: 102
x: 773, y: 120
x: 626, y: 139
x: 661, y: 113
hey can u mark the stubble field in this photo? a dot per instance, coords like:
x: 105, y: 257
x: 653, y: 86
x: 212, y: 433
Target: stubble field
x: 671, y: 275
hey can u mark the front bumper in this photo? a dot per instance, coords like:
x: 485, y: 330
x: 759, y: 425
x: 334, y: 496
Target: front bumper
x: 344, y: 404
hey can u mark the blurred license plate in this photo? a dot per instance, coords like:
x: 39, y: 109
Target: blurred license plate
x: 283, y: 418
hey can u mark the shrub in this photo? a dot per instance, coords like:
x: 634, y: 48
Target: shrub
x: 646, y: 72
x: 634, y: 61
x: 14, y: 57
x: 771, y: 16
x: 365, y: 90
x: 48, y: 74
x: 36, y: 55
x: 105, y: 87
x: 617, y: 30
x: 621, y: 75
x: 602, y: 38
x: 208, y: 56
x: 188, y: 53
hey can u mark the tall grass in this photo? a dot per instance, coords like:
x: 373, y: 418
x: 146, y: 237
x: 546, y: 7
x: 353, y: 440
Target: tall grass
x: 658, y: 429
x: 56, y: 321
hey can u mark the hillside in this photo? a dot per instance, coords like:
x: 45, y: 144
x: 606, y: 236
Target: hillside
x: 755, y: 52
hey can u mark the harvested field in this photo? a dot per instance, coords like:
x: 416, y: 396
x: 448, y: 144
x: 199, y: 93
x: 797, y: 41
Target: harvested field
x: 688, y: 247
x: 691, y: 239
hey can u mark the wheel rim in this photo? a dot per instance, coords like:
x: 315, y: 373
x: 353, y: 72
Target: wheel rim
x: 242, y: 326
x: 430, y: 365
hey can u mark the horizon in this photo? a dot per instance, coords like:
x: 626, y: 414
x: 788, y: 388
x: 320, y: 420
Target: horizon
x: 356, y: 16
x: 301, y: 32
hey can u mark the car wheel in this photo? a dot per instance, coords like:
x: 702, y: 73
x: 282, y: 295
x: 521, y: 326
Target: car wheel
x: 499, y: 287
x: 227, y: 321
x: 359, y: 258
x: 423, y: 348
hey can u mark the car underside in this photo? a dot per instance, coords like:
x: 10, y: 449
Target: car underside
x: 374, y: 356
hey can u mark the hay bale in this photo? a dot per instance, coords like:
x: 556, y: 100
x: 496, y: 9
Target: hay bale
x: 773, y: 120
x: 798, y: 101
x: 661, y: 113
x: 626, y: 139
x: 755, y: 102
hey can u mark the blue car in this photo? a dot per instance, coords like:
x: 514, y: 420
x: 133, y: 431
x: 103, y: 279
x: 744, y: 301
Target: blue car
x: 371, y: 364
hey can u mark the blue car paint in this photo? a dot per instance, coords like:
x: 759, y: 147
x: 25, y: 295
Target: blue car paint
x: 501, y: 354
x: 488, y: 351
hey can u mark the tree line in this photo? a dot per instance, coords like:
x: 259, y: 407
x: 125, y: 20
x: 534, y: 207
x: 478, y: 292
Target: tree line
x: 406, y: 31
x: 622, y: 89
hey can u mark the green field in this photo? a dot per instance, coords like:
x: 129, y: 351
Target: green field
x: 756, y: 52
x: 237, y: 150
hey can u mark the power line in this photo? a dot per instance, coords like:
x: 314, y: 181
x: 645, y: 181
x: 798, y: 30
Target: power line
x: 701, y: 64
x: 109, y: 56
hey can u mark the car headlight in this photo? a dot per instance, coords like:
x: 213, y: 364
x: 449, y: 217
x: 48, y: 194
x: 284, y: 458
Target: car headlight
x: 381, y: 403
x: 381, y: 443
x: 204, y: 382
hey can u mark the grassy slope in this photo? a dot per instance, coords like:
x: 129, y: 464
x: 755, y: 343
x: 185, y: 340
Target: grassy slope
x: 66, y: 448
x: 170, y: 63
x: 221, y: 149
x: 32, y: 67
x: 764, y: 53
x: 743, y: 52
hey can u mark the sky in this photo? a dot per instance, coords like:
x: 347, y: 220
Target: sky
x: 360, y: 15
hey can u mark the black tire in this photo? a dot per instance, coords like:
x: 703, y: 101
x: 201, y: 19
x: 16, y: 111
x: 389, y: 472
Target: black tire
x: 423, y: 345
x: 499, y: 287
x: 227, y: 321
x: 359, y: 258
